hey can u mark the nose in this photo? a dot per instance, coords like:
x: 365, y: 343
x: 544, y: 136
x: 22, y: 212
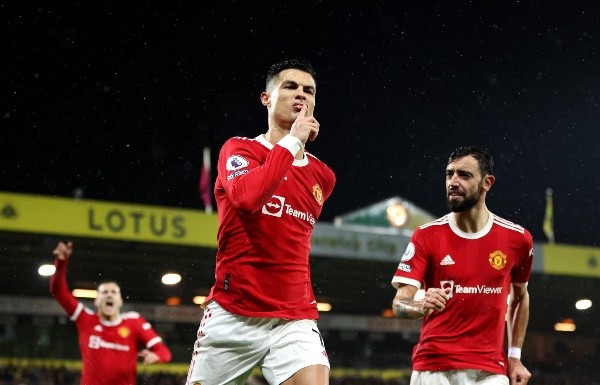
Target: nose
x: 301, y: 95
x: 452, y: 180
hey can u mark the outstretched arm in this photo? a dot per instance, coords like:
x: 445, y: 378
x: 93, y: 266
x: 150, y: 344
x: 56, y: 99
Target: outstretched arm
x: 58, y: 281
x: 518, y: 317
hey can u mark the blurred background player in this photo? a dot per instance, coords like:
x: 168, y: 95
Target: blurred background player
x: 108, y: 339
x: 261, y: 310
x: 469, y: 262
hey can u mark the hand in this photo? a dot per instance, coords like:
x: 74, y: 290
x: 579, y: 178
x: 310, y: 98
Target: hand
x: 148, y: 356
x: 63, y: 250
x: 517, y: 372
x: 305, y: 127
x: 435, y: 300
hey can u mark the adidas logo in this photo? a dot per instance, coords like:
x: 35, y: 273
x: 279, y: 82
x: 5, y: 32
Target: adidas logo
x: 447, y: 260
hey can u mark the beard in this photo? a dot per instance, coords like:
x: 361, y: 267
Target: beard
x: 465, y: 205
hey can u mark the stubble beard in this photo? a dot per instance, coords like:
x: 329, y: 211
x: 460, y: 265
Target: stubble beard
x: 465, y: 205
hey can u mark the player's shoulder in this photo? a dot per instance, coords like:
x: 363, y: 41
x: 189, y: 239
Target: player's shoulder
x: 84, y: 312
x: 240, y: 141
x: 435, y: 224
x: 315, y: 160
x: 508, y: 225
x: 131, y: 315
x: 513, y: 229
x: 313, y: 157
x: 243, y: 146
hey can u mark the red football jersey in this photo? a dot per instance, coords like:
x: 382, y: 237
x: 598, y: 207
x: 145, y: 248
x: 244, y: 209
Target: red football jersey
x: 479, y: 269
x: 109, y: 350
x: 268, y: 203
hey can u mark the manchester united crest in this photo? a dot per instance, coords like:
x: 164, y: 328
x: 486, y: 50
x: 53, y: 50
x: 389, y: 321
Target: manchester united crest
x: 497, y: 260
x: 318, y: 194
x: 124, y: 331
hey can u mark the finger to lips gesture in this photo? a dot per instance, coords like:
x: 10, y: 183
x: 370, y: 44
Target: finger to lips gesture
x: 63, y: 250
x: 305, y: 127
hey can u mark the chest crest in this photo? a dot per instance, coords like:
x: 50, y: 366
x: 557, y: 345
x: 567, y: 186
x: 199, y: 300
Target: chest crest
x: 124, y: 331
x: 318, y: 194
x: 497, y: 260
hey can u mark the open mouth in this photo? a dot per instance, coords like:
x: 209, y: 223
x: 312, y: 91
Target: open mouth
x: 455, y: 194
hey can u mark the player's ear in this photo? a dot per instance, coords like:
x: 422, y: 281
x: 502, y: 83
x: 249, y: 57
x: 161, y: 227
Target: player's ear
x: 488, y: 181
x: 265, y: 99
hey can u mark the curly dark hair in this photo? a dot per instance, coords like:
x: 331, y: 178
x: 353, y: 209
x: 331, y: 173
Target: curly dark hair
x: 483, y: 157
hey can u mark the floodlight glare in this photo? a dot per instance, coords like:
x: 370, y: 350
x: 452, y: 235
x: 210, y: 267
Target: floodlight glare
x: 46, y: 270
x: 397, y: 214
x: 171, y: 278
x: 583, y: 304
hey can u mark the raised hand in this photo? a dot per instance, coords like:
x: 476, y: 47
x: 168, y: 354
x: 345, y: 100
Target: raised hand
x: 305, y: 127
x: 63, y: 250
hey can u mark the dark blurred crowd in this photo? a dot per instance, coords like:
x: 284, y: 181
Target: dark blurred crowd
x: 13, y: 375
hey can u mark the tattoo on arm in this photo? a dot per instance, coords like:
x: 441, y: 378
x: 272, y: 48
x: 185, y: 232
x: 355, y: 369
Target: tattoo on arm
x: 408, y: 309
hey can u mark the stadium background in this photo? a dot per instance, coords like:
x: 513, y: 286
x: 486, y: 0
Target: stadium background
x: 113, y: 103
x: 352, y: 265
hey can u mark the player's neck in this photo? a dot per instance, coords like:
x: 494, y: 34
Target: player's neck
x: 473, y: 220
x: 276, y: 133
x: 109, y: 318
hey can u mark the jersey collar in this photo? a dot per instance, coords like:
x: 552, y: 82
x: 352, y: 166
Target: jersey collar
x: 456, y: 230
x: 297, y: 162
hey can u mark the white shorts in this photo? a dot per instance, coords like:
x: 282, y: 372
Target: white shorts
x: 457, y: 377
x: 229, y: 347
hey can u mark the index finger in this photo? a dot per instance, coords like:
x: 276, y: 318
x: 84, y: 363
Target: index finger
x: 302, y: 112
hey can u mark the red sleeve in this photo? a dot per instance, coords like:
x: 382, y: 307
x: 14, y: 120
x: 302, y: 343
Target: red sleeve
x: 524, y: 265
x: 251, y: 183
x: 413, y: 264
x: 162, y: 351
x: 153, y: 341
x: 59, y: 288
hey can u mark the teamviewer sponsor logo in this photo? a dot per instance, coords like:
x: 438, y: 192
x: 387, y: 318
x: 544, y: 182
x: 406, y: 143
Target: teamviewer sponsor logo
x: 96, y: 342
x: 274, y: 206
x: 479, y: 289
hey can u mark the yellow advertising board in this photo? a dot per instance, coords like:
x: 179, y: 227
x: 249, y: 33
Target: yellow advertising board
x: 96, y: 219
x: 571, y: 260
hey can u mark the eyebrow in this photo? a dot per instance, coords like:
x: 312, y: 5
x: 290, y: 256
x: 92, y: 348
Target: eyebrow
x: 459, y: 171
x: 293, y: 83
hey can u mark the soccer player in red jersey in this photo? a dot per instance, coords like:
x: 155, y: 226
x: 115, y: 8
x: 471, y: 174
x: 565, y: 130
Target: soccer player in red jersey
x: 108, y: 339
x: 270, y: 191
x: 470, y: 263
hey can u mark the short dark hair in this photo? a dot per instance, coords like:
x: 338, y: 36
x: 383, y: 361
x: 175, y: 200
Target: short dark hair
x: 483, y: 157
x: 298, y: 64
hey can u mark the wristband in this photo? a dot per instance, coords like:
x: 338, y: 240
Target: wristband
x: 514, y: 352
